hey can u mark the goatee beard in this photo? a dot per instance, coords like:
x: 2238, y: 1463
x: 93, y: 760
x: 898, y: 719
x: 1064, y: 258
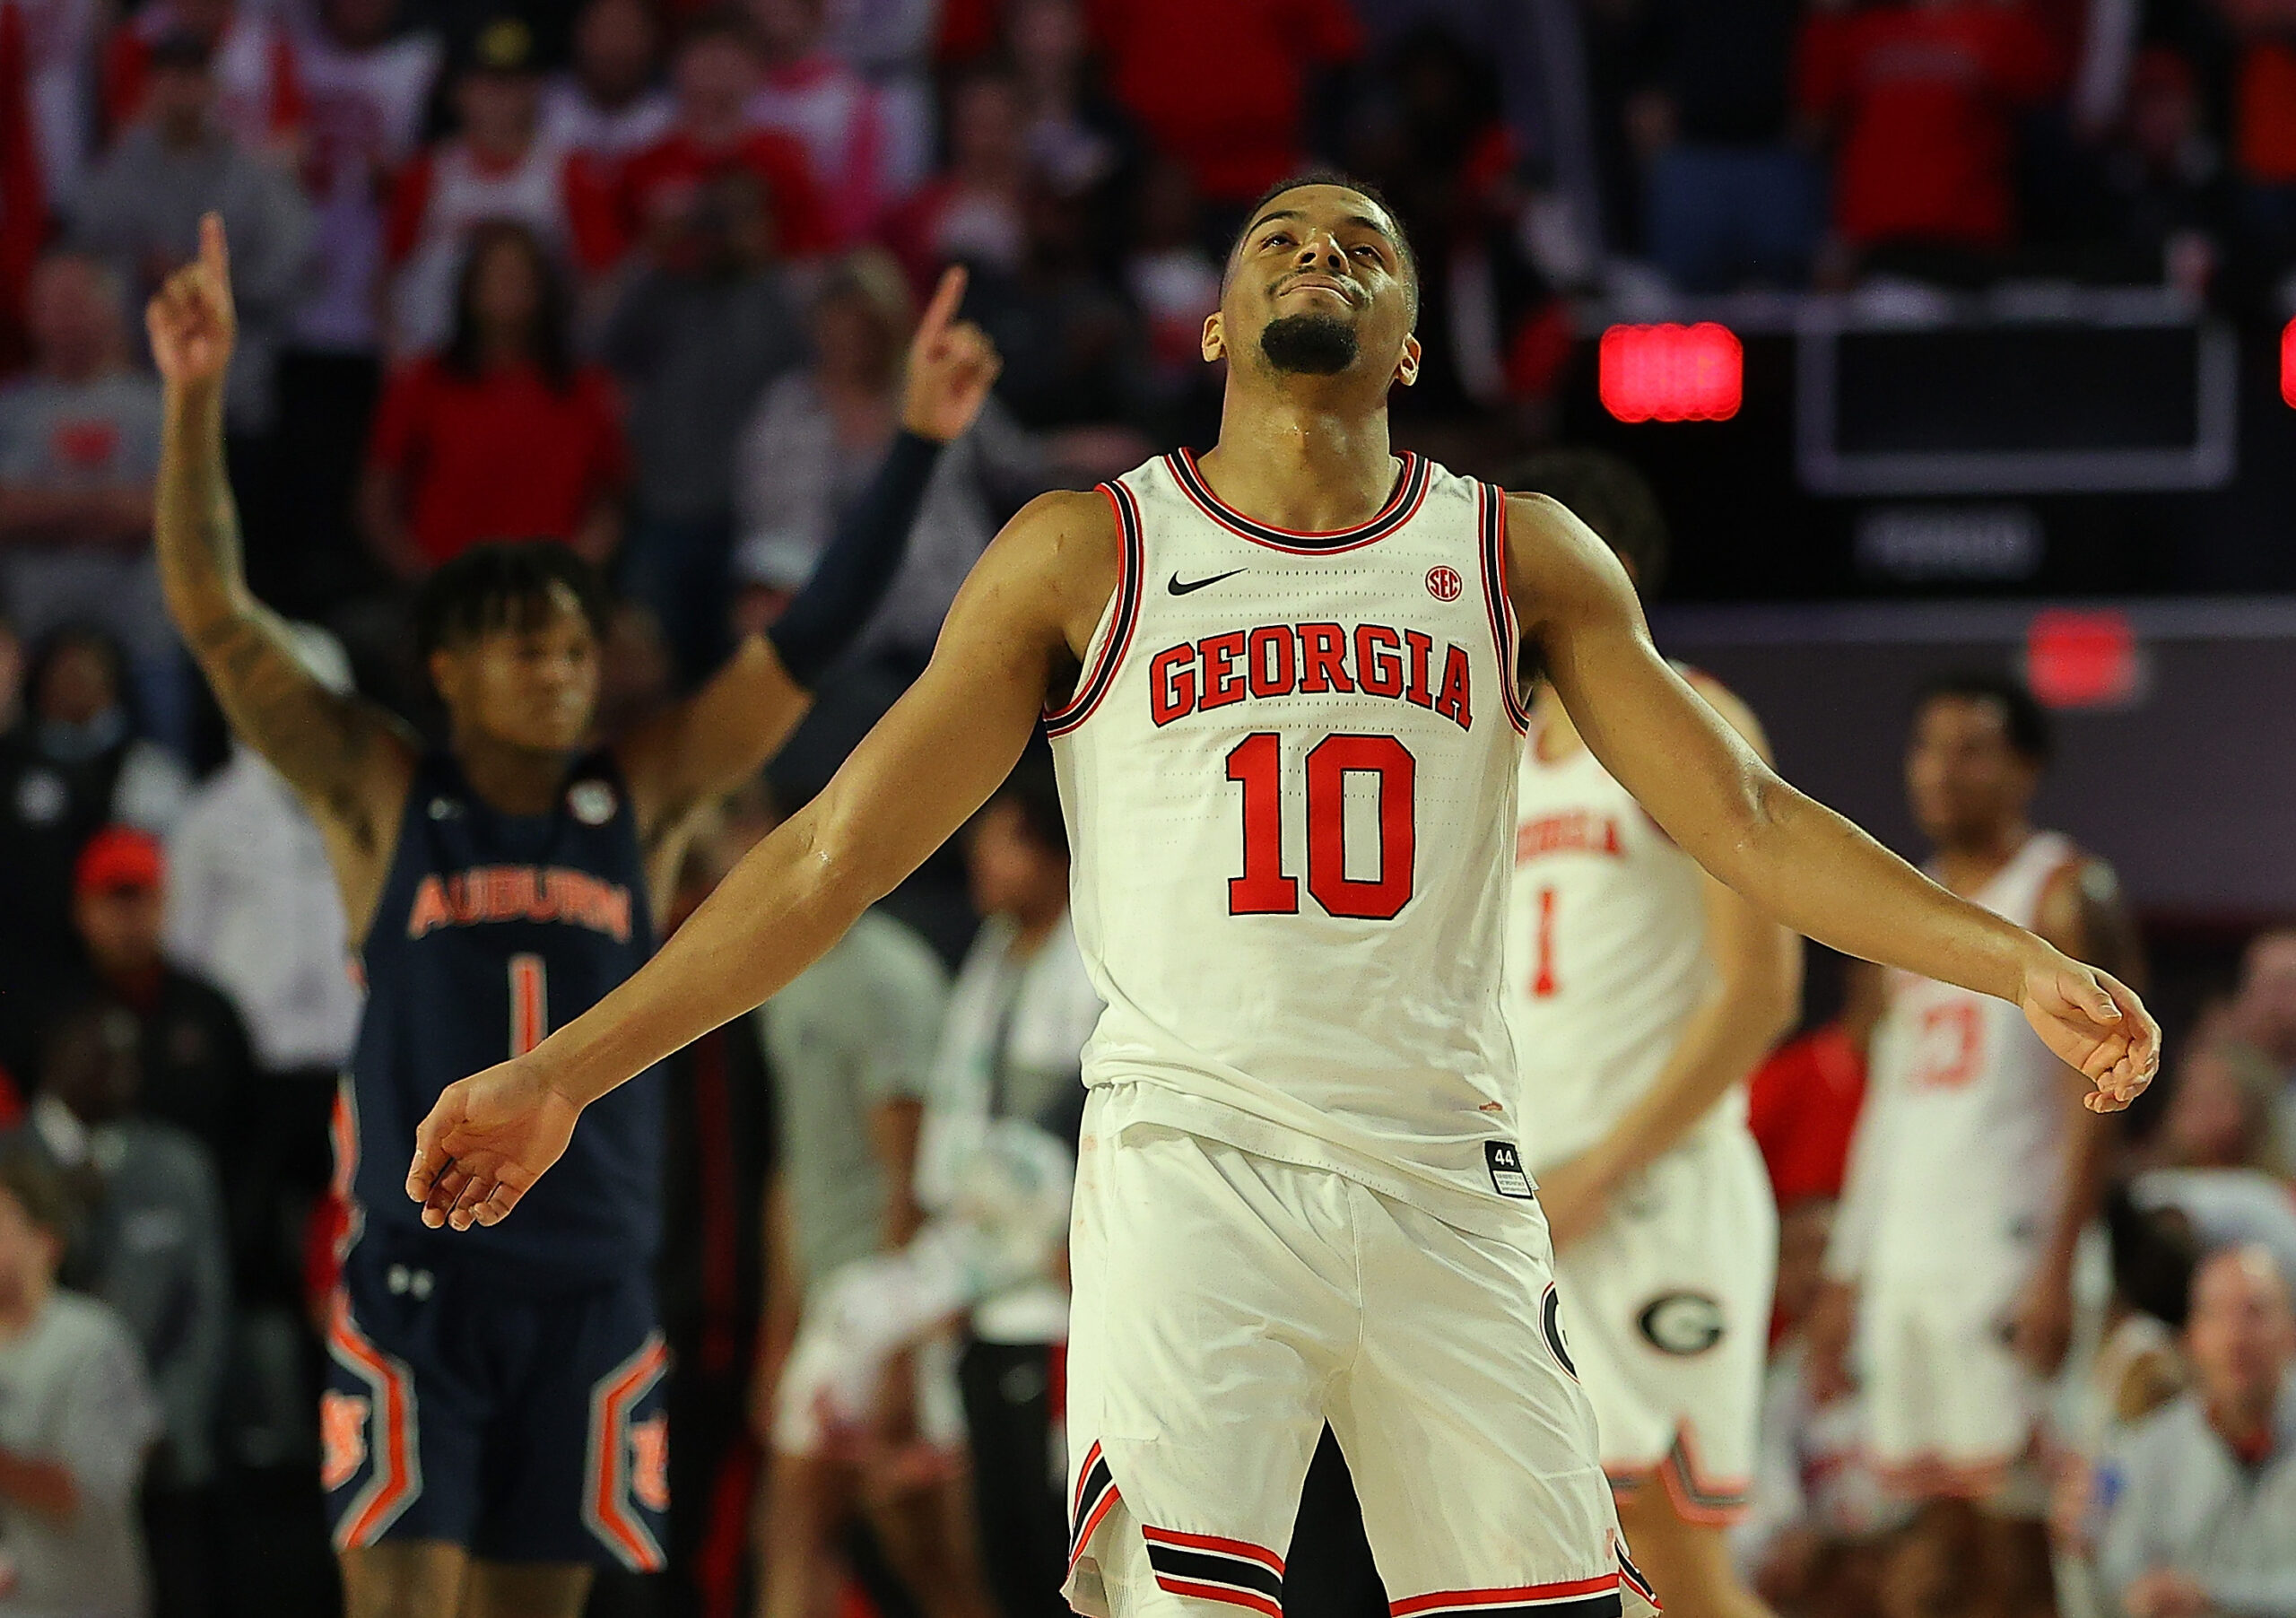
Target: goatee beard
x: 1314, y: 345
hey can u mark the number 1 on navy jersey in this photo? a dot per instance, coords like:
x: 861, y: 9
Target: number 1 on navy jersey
x: 1256, y: 764
x: 530, y: 1003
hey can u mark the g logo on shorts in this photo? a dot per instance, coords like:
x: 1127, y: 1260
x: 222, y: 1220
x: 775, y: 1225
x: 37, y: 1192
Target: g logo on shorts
x: 1682, y: 1324
x: 1551, y: 1323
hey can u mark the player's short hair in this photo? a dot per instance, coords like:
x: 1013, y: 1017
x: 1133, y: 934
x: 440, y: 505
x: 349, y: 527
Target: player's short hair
x: 2024, y: 720
x: 1324, y: 176
x: 26, y: 1175
x: 1609, y: 495
x: 507, y: 584
x: 1034, y: 792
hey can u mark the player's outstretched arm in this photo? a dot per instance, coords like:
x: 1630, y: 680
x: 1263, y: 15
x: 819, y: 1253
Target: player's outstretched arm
x: 724, y: 734
x: 1019, y: 622
x: 346, y: 757
x: 1805, y: 864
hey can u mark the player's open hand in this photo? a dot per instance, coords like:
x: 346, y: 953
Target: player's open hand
x: 2096, y: 1024
x: 952, y: 366
x: 190, y: 318
x: 487, y: 1141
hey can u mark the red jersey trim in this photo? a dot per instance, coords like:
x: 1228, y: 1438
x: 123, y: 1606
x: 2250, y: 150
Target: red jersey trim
x: 1402, y: 505
x: 1490, y: 502
x: 1131, y: 565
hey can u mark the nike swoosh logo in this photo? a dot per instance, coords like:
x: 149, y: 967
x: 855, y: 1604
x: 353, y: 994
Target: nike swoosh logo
x: 1177, y: 588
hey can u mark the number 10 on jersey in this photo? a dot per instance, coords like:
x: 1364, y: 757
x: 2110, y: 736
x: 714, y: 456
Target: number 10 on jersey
x: 1265, y: 888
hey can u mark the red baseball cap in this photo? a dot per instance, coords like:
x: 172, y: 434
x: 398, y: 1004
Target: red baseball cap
x: 119, y: 857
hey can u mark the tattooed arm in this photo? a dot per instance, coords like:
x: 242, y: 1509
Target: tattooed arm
x: 349, y: 760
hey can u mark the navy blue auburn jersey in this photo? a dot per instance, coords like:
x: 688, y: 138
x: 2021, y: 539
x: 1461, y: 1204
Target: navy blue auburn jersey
x: 493, y: 930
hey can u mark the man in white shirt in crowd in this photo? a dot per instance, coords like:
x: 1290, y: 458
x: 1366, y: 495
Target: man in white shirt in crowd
x: 1012, y: 1051
x: 2200, y: 1500
x: 77, y: 1415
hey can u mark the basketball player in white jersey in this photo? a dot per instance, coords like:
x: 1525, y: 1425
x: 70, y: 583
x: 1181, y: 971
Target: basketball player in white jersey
x: 1975, y: 1168
x: 1642, y: 992
x: 1280, y: 683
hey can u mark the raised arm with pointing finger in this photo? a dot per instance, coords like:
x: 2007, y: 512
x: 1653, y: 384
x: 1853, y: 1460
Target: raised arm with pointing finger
x: 1017, y: 635
x: 351, y: 761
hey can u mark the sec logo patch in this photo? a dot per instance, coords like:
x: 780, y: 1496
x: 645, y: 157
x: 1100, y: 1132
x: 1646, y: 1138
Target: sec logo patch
x: 1683, y: 1323
x: 1445, y: 583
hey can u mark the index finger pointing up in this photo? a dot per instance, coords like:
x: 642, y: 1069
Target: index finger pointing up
x: 942, y: 309
x: 215, y: 252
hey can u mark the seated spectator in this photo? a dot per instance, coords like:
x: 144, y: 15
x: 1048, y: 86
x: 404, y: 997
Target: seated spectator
x: 714, y: 76
x: 2263, y: 1013
x: 79, y: 451
x: 1175, y: 283
x: 1071, y: 344
x: 862, y: 162
x: 1235, y: 116
x: 58, y: 41
x: 1076, y: 137
x: 1490, y: 327
x: 258, y: 82
x: 366, y: 88
x: 194, y: 1069
x: 850, y: 1043
x: 1919, y: 99
x: 251, y: 908
x: 2264, y: 122
x: 2202, y: 1512
x: 695, y: 340
x: 506, y: 392
x: 1730, y: 199
x: 77, y: 1416
x: 149, y: 1245
x: 2166, y: 183
x: 1011, y: 1048
x: 141, y: 210
x: 972, y: 213
x: 2220, y: 1161
x: 69, y: 764
x: 819, y: 433
x: 606, y: 106
x: 1803, y: 1102
x: 498, y: 166
x: 1815, y: 1538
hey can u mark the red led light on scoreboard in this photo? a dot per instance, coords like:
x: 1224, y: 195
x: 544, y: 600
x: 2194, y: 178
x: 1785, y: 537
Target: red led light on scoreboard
x: 2288, y: 365
x: 1673, y: 373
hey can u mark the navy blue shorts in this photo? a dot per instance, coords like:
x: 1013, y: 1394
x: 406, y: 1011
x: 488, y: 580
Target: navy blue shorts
x: 523, y: 1423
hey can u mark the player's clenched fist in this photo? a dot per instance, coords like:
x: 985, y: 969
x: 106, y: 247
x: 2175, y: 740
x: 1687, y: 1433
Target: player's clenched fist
x: 190, y: 317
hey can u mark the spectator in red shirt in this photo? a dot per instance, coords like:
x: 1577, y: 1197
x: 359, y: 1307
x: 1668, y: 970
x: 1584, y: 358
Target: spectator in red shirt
x: 502, y: 434
x: 713, y: 78
x: 1222, y: 85
x: 499, y: 166
x: 1803, y: 1102
x: 1920, y: 97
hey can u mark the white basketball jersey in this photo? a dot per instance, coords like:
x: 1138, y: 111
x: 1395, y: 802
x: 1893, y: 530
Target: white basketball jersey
x: 1969, y: 1160
x: 1606, y: 956
x: 1289, y: 773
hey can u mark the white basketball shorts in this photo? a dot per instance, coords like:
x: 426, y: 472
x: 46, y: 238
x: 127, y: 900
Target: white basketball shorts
x: 1667, y: 1304
x: 1227, y: 1305
x: 1954, y: 1411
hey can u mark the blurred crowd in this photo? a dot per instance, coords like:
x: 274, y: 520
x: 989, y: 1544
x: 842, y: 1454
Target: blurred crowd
x: 637, y: 274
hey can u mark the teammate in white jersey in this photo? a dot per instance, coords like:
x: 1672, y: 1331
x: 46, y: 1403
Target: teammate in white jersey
x: 1642, y: 992
x: 1288, y: 751
x: 1974, y: 1171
